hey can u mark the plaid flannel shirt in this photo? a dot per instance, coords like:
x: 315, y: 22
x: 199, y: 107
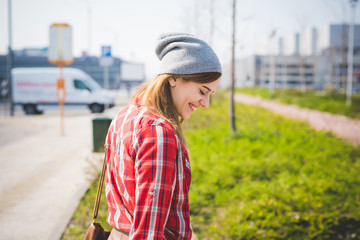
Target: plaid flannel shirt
x: 147, y: 178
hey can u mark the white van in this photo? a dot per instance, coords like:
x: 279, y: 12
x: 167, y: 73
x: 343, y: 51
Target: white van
x: 32, y: 87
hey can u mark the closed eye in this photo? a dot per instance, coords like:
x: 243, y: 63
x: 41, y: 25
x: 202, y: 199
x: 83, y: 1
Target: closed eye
x: 201, y: 92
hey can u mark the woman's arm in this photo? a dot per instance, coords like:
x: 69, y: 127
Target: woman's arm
x: 155, y: 167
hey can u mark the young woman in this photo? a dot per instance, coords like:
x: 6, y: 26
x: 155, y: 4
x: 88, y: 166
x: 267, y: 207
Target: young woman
x: 148, y: 170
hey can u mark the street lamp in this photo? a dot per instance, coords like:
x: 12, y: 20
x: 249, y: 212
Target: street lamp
x: 10, y: 60
x: 272, y: 63
x: 350, y: 53
x: 88, y: 26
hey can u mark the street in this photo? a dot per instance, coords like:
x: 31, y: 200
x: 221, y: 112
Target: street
x: 43, y: 173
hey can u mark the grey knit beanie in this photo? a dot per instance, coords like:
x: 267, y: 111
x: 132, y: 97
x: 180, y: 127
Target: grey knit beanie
x: 182, y: 53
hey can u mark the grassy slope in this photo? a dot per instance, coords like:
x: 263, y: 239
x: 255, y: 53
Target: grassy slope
x: 275, y: 179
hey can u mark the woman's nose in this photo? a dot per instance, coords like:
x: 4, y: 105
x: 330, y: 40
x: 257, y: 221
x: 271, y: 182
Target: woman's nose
x: 204, y: 102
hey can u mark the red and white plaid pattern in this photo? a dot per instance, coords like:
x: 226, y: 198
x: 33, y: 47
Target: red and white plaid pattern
x: 148, y: 177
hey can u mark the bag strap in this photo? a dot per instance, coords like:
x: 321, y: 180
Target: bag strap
x: 100, y: 187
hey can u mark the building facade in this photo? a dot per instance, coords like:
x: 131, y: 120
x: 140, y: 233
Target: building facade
x: 315, y: 59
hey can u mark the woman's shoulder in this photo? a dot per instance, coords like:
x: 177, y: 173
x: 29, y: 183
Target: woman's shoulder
x: 152, y: 128
x: 149, y: 119
x: 139, y: 117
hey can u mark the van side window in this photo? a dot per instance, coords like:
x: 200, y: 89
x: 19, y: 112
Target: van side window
x: 78, y: 84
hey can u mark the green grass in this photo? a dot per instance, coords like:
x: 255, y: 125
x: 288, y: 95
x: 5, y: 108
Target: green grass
x: 274, y: 179
x: 82, y: 216
x: 332, y: 102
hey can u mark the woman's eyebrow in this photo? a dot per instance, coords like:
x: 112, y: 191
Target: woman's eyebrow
x: 208, y: 88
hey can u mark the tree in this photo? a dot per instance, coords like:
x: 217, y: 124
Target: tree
x: 232, y: 106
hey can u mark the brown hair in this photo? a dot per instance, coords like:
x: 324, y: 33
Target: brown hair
x: 156, y: 96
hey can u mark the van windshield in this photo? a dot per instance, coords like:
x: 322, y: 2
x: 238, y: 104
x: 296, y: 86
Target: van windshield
x: 78, y: 84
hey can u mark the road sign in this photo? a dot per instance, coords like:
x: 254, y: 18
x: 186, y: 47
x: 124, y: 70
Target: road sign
x: 106, y: 51
x: 60, y: 44
x: 106, y: 61
x: 59, y: 53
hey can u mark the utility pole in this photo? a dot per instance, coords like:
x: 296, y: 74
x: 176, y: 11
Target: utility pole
x: 89, y: 28
x: 10, y: 61
x: 272, y: 62
x: 88, y: 2
x: 212, y: 23
x: 343, y: 56
x: 232, y: 106
x: 350, y: 53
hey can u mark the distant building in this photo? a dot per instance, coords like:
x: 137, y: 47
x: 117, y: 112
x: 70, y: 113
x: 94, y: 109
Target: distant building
x: 289, y: 72
x: 316, y: 59
x: 32, y: 57
x: 291, y: 45
x: 31, y: 52
x: 336, y: 36
x: 308, y: 42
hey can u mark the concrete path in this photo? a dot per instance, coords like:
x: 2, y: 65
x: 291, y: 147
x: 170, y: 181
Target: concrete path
x: 44, y: 174
x: 345, y: 128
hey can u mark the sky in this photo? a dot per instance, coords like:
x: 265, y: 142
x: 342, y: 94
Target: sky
x: 131, y: 27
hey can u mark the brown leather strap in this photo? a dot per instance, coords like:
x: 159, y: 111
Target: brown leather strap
x: 100, y: 187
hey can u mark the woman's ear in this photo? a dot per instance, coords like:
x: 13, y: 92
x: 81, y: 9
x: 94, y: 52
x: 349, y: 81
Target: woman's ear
x: 172, y: 81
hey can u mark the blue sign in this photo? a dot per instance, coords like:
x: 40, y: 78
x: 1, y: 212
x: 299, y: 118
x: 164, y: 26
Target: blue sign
x: 106, y: 51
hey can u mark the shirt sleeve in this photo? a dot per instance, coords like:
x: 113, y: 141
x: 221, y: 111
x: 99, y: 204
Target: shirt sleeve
x: 108, y: 141
x: 155, y: 170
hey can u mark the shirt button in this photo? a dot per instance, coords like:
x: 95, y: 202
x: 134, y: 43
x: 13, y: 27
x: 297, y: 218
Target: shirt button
x: 151, y: 193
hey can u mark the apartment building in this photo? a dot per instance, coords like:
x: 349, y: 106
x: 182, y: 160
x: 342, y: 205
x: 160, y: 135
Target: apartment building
x: 315, y: 58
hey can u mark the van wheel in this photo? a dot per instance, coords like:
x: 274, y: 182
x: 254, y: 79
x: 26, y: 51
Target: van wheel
x: 31, y: 109
x: 96, y: 108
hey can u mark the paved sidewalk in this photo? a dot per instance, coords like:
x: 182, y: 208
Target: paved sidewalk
x: 345, y: 128
x: 44, y: 174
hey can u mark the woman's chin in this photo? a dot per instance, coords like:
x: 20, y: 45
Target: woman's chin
x: 185, y: 116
